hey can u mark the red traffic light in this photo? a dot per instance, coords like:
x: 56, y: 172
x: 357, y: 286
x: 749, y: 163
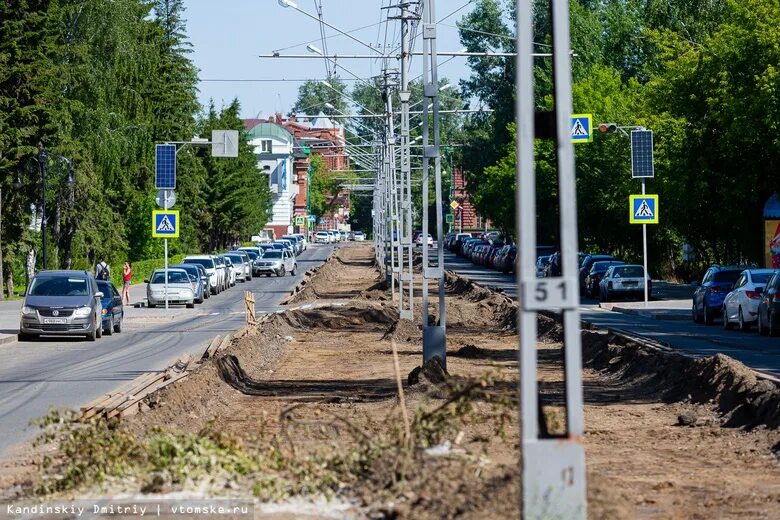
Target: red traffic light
x: 607, y: 128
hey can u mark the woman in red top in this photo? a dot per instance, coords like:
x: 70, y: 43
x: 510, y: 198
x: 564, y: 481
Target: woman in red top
x: 127, y: 275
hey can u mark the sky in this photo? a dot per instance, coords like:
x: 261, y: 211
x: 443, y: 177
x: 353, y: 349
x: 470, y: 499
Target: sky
x: 228, y: 37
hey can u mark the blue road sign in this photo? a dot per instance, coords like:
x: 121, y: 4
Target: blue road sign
x: 643, y: 209
x: 642, y: 154
x: 312, y: 219
x: 165, y: 223
x: 581, y: 126
x: 165, y: 167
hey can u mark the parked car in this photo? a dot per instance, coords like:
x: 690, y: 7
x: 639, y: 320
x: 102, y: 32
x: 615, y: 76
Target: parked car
x: 587, y: 263
x: 198, y: 279
x: 769, y: 307
x: 322, y: 237
x: 335, y: 234
x: 509, y: 261
x: 541, y: 265
x: 279, y: 262
x: 62, y: 303
x: 624, y: 280
x: 216, y: 274
x: 360, y: 236
x: 222, y: 267
x: 240, y: 263
x: 230, y: 270
x: 179, y: 289
x: 740, y: 305
x: 113, y: 311
x: 428, y: 242
x: 297, y: 242
x: 597, y: 271
x: 709, y: 296
x: 343, y: 236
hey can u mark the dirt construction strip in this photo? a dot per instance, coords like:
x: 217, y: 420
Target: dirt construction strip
x: 305, y: 405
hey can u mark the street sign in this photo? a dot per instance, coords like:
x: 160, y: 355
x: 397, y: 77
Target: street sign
x: 300, y: 220
x: 450, y: 219
x: 454, y: 204
x: 160, y: 199
x: 224, y: 143
x: 165, y: 167
x: 312, y: 219
x: 642, y: 154
x: 165, y: 224
x: 581, y: 126
x: 643, y: 209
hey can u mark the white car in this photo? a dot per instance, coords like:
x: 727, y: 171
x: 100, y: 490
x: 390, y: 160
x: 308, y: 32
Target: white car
x: 419, y: 240
x: 335, y: 234
x: 741, y: 305
x: 278, y: 262
x: 626, y: 280
x: 359, y: 236
x: 304, y: 242
x: 241, y: 268
x: 179, y: 289
x: 322, y: 237
x: 216, y: 273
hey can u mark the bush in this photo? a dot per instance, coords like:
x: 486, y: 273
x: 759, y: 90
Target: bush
x: 142, y: 269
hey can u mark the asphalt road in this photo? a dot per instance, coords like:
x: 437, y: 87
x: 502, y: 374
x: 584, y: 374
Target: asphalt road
x: 68, y: 373
x: 757, y: 352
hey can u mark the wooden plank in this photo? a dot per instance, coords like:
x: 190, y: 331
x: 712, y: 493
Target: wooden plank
x: 110, y: 410
x: 129, y: 408
x: 209, y: 352
x: 224, y: 344
x: 110, y: 400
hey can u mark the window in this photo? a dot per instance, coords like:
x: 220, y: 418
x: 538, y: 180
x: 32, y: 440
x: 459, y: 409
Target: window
x: 266, y: 146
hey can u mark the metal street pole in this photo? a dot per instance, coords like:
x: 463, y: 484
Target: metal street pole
x: 406, y: 251
x: 165, y: 241
x: 553, y: 467
x: 42, y: 159
x: 644, y: 248
x: 434, y: 336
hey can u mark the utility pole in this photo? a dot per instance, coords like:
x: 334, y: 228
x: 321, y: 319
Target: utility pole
x: 406, y: 253
x: 553, y: 466
x: 434, y: 336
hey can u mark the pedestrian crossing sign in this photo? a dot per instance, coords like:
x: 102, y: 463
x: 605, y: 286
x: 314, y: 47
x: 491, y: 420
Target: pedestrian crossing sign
x: 581, y: 127
x: 165, y: 223
x: 643, y: 209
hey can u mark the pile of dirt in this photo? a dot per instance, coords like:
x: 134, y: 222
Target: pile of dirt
x: 345, y: 275
x: 363, y: 317
x: 741, y: 397
x: 432, y: 372
x: 496, y: 309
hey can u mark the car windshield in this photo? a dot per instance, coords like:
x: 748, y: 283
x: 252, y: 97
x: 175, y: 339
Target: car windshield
x: 235, y: 259
x: 173, y: 277
x: 322, y: 234
x: 273, y: 254
x: 726, y: 276
x: 279, y: 246
x: 251, y: 254
x: 59, y: 286
x: 629, y: 271
x: 761, y: 277
x: 208, y: 263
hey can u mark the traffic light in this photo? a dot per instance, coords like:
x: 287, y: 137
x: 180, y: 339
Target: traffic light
x: 608, y: 128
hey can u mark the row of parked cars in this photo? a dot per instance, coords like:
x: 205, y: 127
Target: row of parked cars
x: 75, y: 303
x: 331, y: 236
x: 602, y: 276
x: 739, y: 296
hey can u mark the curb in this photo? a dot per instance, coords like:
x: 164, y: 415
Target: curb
x: 653, y: 314
x: 7, y: 338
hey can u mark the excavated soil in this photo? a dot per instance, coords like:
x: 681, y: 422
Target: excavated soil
x: 666, y: 436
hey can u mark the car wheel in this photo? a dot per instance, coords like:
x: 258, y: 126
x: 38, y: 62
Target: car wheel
x: 110, y: 329
x: 190, y: 305
x: 709, y: 317
x: 761, y: 330
x: 23, y: 336
x: 726, y: 323
x: 118, y: 326
x: 99, y: 330
x: 744, y: 326
x: 92, y: 336
x: 294, y: 270
x: 151, y: 305
x: 281, y: 272
x: 695, y: 314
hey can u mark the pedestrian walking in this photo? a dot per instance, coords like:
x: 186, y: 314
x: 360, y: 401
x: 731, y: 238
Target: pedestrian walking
x: 127, y: 276
x: 102, y: 270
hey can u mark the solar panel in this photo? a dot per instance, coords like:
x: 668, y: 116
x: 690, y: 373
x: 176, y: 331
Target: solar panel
x: 642, y: 154
x: 165, y: 167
